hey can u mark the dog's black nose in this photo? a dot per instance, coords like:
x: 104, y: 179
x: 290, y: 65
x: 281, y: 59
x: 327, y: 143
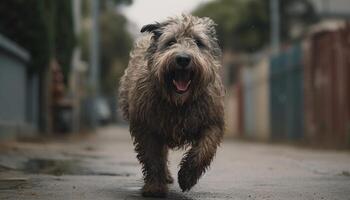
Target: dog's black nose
x: 183, y: 60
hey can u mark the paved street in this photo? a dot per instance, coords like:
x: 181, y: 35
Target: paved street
x: 103, y: 166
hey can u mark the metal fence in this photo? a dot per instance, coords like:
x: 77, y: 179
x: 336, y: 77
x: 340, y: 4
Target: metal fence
x: 286, y: 94
x: 307, y: 87
x: 327, y: 87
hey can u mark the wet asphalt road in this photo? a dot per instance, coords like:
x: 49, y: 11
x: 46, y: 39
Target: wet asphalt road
x: 103, y: 166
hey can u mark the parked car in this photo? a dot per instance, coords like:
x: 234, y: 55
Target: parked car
x: 104, y: 115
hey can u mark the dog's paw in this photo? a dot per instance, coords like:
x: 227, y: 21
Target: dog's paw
x: 154, y: 190
x: 187, y: 178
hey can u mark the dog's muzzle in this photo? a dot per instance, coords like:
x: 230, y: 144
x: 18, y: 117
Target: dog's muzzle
x: 181, y: 75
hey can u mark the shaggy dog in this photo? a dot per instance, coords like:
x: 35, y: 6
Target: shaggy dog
x: 172, y: 95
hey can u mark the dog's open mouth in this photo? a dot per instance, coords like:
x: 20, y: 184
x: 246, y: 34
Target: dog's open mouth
x: 182, y: 80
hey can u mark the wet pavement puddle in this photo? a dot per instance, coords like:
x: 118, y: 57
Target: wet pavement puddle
x: 345, y: 173
x: 12, y: 183
x: 59, y: 167
x: 133, y: 188
x: 51, y: 166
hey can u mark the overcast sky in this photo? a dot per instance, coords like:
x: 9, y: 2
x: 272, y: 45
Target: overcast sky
x: 143, y: 12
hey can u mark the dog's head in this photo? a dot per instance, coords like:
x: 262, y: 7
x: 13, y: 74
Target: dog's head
x: 184, y: 55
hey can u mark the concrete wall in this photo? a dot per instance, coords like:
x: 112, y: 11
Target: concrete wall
x: 255, y: 80
x: 248, y: 98
x: 231, y: 111
x: 261, y: 100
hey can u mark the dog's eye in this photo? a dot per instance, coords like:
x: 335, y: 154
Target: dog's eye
x: 170, y: 43
x: 199, y: 43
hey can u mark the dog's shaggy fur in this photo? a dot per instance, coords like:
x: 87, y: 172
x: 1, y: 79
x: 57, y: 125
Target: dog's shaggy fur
x: 172, y: 95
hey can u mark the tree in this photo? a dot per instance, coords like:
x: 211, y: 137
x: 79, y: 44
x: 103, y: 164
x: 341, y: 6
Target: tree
x: 115, y: 47
x: 24, y: 22
x: 64, y: 40
x: 115, y: 44
x: 244, y: 25
x: 42, y: 27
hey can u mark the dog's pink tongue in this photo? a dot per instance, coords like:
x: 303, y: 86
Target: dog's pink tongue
x: 181, y: 85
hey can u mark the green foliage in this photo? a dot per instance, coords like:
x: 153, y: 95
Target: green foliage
x: 110, y: 4
x: 85, y: 8
x: 244, y: 25
x: 43, y: 27
x: 24, y: 22
x: 126, y: 2
x: 64, y: 40
x: 115, y: 45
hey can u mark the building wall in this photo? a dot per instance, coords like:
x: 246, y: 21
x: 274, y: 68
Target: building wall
x: 12, y: 92
x: 249, y: 109
x: 13, y: 88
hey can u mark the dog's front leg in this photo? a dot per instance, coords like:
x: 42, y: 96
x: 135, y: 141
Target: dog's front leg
x: 152, y: 154
x: 198, y: 158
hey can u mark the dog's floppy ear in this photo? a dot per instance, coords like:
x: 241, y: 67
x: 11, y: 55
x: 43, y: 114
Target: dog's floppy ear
x: 152, y: 28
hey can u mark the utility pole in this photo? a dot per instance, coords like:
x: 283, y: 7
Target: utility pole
x: 76, y: 63
x: 275, y: 25
x: 94, y: 62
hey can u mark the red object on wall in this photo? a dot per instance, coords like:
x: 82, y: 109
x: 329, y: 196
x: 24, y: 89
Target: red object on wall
x: 240, y: 102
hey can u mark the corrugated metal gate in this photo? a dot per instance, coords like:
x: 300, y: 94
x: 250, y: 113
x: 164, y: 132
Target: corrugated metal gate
x: 15, y: 118
x: 327, y: 87
x: 286, y: 94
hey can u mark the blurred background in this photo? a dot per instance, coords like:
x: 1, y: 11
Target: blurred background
x: 286, y: 65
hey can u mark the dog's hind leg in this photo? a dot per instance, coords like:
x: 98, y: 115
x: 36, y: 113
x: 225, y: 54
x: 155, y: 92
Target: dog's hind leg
x: 198, y: 158
x: 152, y: 155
